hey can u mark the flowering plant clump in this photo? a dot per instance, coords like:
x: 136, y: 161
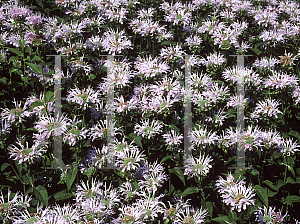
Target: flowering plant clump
x: 133, y: 111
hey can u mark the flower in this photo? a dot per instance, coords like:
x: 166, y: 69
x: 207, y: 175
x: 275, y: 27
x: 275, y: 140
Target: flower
x: 153, y: 176
x: 172, y: 52
x: 202, y: 136
x: 235, y: 194
x: 198, y: 166
x: 23, y: 153
x: 128, y: 159
x: 268, y: 215
x: 115, y: 41
x: 265, y: 62
x: 150, y: 67
x: 268, y: 107
x: 18, y: 113
x: 288, y: 147
x: 172, y: 138
x: 215, y: 59
x: 190, y: 215
x: 74, y: 133
x: 49, y: 126
x: 280, y: 80
x: 148, y: 130
x: 83, y: 97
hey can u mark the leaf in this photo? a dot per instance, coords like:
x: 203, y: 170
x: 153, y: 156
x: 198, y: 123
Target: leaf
x: 27, y: 179
x: 36, y: 68
x: 71, y: 175
x: 137, y: 139
x: 262, y: 193
x: 189, y: 190
x: 25, y: 79
x: 168, y: 42
x: 209, y: 208
x: 271, y: 193
x: 3, y: 80
x: 294, y: 133
x: 166, y: 158
x: 178, y: 173
x: 280, y: 183
x: 49, y: 96
x: 270, y: 184
x: 222, y: 219
x: 37, y: 104
x: 174, y: 128
x: 290, y: 180
x: 41, y: 194
x: 15, y: 51
x: 292, y: 199
x: 62, y: 195
x: 256, y: 51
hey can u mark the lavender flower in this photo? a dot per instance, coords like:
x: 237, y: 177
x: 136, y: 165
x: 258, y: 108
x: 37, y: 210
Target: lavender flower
x: 268, y: 215
x: 198, y: 166
x: 115, y: 41
x: 23, y: 153
x: 83, y: 97
x: 288, y: 147
x: 49, y: 126
x: 128, y: 159
x: 268, y: 107
x: 202, y: 136
x: 190, y: 215
x: 148, y: 130
x: 172, y: 138
x: 281, y: 80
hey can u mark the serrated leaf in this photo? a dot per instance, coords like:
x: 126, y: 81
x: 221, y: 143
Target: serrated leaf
x: 71, y: 175
x: 37, y: 104
x: 41, y: 194
x: 137, y: 139
x: 25, y: 79
x: 189, y: 190
x: 36, y: 68
x: 262, y: 193
x: 270, y: 184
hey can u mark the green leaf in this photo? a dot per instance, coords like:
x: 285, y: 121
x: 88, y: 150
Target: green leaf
x: 25, y: 79
x: 271, y: 193
x: 3, y: 80
x: 222, y: 219
x: 270, y: 184
x: 294, y: 133
x: 189, y: 190
x: 292, y: 199
x: 256, y: 51
x: 178, y: 173
x: 71, y: 175
x: 36, y: 58
x: 137, y: 139
x: 27, y: 179
x: 36, y: 68
x: 28, y: 50
x: 22, y: 44
x: 280, y: 183
x: 15, y: 51
x: 41, y: 194
x: 49, y: 96
x: 172, y: 126
x: 4, y: 166
x: 262, y: 193
x: 290, y: 180
x: 165, y: 158
x: 37, y: 104
x: 13, y: 58
x: 276, y: 154
x: 209, y: 208
x: 62, y: 195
